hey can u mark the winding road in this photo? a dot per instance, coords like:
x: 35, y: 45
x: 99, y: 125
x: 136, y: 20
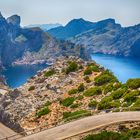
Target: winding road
x: 83, y: 125
x: 5, y: 131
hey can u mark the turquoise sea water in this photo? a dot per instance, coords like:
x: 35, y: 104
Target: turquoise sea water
x: 18, y: 75
x: 123, y: 68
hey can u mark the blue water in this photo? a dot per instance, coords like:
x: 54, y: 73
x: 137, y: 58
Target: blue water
x: 123, y: 68
x: 18, y: 75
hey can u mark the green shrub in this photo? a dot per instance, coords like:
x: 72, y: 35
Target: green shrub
x: 75, y: 105
x: 133, y: 83
x: 107, y: 136
x: 43, y: 111
x: 131, y: 96
x: 94, y: 68
x: 108, y: 88
x: 134, y: 133
x: 81, y: 87
x: 104, y: 78
x: 72, y: 91
x: 118, y: 94
x: 68, y: 101
x: 86, y: 78
x: 49, y: 73
x: 72, y: 67
x: 88, y: 71
x: 92, y: 103
x: 31, y: 88
x: 80, y: 97
x: 75, y: 115
x: 93, y: 91
x: 105, y: 103
x: 47, y: 103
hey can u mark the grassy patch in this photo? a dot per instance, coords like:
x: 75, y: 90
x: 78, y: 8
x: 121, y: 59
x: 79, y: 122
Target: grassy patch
x: 93, y: 91
x: 68, y: 101
x: 75, y: 115
x: 49, y: 73
x: 43, y: 111
x: 107, y: 136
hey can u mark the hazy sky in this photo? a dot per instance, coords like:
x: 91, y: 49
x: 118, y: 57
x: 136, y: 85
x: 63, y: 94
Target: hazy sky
x: 126, y: 12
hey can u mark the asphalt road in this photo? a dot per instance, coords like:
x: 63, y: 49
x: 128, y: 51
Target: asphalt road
x: 83, y: 125
x: 5, y: 131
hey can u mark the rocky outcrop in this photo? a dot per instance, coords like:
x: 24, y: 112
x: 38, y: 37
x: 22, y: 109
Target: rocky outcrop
x: 107, y: 37
x: 30, y: 45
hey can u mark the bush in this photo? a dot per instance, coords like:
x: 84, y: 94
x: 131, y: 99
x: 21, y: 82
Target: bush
x: 108, y: 88
x: 68, y: 101
x: 75, y: 115
x: 131, y: 96
x: 94, y: 68
x: 81, y: 87
x: 72, y: 67
x: 88, y: 71
x: 92, y: 103
x: 107, y: 136
x: 43, y: 111
x: 49, y: 73
x: 80, y: 97
x: 47, y: 103
x: 105, y: 103
x: 31, y: 88
x: 93, y: 91
x: 118, y: 94
x: 75, y: 105
x: 86, y: 78
x: 104, y: 78
x: 134, y: 133
x: 72, y: 91
x: 133, y: 83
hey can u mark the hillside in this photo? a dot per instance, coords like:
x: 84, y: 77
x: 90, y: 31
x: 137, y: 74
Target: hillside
x: 69, y: 89
x: 31, y: 45
x: 74, y: 27
x: 106, y: 36
x: 111, y: 38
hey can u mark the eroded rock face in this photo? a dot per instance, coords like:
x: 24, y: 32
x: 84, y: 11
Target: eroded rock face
x: 15, y: 20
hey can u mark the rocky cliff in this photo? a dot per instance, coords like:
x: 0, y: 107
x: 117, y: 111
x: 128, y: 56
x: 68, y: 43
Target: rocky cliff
x: 107, y: 37
x: 29, y: 45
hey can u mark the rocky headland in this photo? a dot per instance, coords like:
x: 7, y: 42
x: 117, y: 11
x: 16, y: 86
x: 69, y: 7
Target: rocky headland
x: 69, y: 89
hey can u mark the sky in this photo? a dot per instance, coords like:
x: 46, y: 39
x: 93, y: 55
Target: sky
x: 125, y: 12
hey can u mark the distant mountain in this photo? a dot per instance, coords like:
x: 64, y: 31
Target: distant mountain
x: 44, y: 27
x: 107, y: 37
x: 74, y: 27
x: 26, y: 45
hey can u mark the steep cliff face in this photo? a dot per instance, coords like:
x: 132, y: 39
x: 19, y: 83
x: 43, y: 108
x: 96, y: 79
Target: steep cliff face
x: 110, y: 38
x: 26, y: 45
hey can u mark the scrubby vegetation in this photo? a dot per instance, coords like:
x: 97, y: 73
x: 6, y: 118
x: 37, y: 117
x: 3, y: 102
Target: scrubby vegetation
x: 92, y: 103
x: 105, y: 78
x: 125, y: 134
x: 133, y: 83
x: 68, y: 101
x: 107, y: 136
x: 49, y: 73
x: 74, y: 115
x: 43, y: 111
x: 72, y: 67
x: 31, y: 88
x: 93, y: 91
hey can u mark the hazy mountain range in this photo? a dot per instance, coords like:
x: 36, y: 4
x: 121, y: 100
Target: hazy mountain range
x: 79, y: 37
x: 27, y: 45
x: 44, y: 27
x: 105, y: 36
